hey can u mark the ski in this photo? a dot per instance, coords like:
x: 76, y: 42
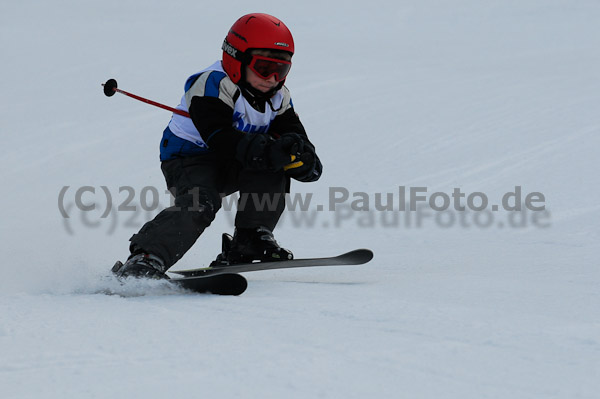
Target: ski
x: 356, y: 257
x: 220, y: 284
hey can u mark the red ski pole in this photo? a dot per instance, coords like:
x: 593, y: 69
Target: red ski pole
x: 110, y: 88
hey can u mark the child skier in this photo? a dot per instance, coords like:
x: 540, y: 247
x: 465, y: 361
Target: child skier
x: 244, y: 136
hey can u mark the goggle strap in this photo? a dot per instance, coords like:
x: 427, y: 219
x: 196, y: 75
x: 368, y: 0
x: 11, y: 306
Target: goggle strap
x: 235, y: 53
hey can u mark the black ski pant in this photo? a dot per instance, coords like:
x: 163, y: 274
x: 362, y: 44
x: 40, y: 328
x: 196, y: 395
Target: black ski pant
x: 198, y: 184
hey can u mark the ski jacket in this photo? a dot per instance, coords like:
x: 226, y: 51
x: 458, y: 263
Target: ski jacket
x: 221, y: 113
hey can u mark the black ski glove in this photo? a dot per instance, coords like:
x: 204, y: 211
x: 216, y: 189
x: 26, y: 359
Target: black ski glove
x: 261, y: 152
x: 306, y: 166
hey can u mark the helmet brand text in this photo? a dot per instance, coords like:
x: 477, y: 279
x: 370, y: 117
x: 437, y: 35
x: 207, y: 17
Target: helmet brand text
x: 229, y: 49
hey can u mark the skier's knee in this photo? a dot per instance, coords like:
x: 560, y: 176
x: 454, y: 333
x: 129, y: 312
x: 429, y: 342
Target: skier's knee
x: 201, y: 207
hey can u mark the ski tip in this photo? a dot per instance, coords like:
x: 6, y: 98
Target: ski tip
x: 362, y: 255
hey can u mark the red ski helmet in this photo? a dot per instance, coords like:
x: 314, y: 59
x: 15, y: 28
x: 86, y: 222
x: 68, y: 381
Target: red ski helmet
x: 253, y: 31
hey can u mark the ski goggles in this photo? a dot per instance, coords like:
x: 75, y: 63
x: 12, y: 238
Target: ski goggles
x: 266, y: 67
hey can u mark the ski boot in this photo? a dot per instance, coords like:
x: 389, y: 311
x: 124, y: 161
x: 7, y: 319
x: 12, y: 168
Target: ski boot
x: 141, y: 266
x: 250, y: 245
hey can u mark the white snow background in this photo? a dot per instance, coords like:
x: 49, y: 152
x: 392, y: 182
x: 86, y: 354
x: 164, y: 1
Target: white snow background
x: 477, y: 95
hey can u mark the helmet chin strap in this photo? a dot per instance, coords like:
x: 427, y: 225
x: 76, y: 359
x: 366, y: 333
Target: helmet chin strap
x: 256, y: 97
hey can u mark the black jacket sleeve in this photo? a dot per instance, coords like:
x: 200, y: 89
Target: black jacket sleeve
x: 212, y: 117
x: 288, y: 122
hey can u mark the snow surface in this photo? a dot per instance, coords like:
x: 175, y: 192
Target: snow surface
x: 477, y: 95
